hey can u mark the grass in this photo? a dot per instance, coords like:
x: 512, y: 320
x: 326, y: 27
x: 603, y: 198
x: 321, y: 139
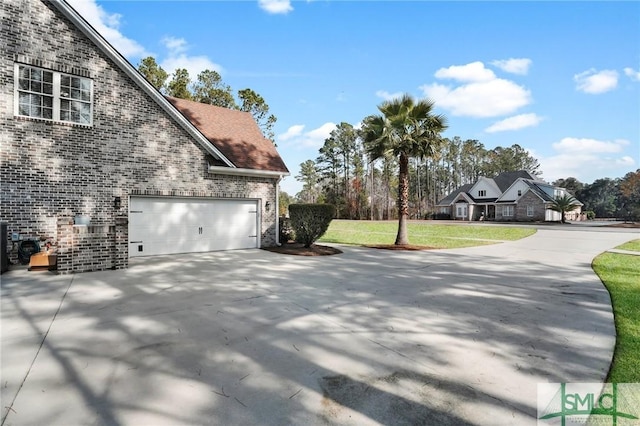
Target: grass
x: 620, y: 273
x: 368, y: 233
x: 631, y: 246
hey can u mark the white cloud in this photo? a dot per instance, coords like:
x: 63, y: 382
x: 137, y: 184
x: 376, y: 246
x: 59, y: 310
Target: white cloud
x: 515, y: 123
x: 315, y: 138
x: 596, y: 82
x: 584, y: 145
x: 515, y: 66
x: 388, y: 96
x: 275, y: 6
x: 292, y: 132
x: 482, y: 99
x: 177, y: 57
x: 587, y: 159
x: 632, y: 74
x: 175, y: 45
x: 107, y: 24
x: 480, y: 94
x: 473, y: 72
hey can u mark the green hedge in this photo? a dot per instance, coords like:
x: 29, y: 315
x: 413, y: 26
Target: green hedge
x: 310, y: 221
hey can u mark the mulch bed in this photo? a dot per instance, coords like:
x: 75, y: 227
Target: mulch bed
x: 406, y: 247
x: 625, y: 225
x: 297, y: 249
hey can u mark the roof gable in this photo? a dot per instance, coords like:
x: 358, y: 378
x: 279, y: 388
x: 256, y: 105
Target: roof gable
x: 505, y: 179
x: 76, y: 19
x: 487, y: 184
x: 234, y: 133
x: 448, y: 200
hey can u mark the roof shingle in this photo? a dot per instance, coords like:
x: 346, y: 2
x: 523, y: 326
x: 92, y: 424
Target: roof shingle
x: 234, y: 133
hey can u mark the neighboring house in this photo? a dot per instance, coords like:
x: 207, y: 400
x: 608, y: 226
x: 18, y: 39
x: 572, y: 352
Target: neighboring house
x: 96, y: 160
x: 510, y: 196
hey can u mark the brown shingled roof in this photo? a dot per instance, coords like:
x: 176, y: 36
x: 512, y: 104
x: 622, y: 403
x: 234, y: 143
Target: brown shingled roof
x: 235, y: 133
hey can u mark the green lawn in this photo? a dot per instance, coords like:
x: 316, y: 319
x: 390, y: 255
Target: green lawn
x: 631, y: 245
x: 620, y: 273
x: 361, y: 232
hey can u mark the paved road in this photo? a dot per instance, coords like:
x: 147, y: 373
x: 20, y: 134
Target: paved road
x: 366, y: 337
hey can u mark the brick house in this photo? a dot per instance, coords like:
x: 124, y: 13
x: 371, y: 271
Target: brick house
x: 96, y: 160
x: 510, y: 196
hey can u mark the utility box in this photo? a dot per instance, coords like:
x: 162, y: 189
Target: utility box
x: 3, y: 247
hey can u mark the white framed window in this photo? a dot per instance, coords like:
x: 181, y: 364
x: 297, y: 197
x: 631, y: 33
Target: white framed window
x: 507, y: 211
x: 461, y: 211
x: 519, y: 192
x: 529, y: 210
x: 482, y: 193
x: 52, y: 95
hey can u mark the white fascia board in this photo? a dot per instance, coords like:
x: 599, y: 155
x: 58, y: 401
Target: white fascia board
x: 490, y: 181
x: 469, y: 200
x: 71, y: 14
x: 219, y: 170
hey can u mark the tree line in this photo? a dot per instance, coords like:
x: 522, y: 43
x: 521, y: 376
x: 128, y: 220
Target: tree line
x: 344, y: 174
x: 607, y: 198
x: 208, y: 88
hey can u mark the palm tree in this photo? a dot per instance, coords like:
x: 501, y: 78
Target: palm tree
x: 405, y: 129
x: 563, y: 204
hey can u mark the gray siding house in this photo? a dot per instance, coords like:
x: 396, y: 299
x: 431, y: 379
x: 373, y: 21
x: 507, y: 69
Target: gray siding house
x: 509, y: 196
x: 98, y: 162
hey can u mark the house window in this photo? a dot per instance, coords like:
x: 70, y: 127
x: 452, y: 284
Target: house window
x: 519, y: 192
x: 461, y: 211
x: 507, y: 210
x: 482, y: 193
x: 529, y: 210
x: 51, y: 95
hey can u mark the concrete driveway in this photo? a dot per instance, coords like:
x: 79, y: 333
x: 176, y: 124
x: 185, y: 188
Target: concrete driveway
x: 366, y: 337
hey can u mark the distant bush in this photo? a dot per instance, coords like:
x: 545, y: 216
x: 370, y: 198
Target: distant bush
x: 286, y: 231
x: 442, y: 216
x: 310, y: 221
x: 591, y: 215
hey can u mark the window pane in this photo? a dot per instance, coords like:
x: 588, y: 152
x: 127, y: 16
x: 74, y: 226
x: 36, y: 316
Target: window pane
x: 47, y: 102
x: 47, y: 88
x: 24, y: 73
x: 47, y: 113
x: 75, y: 83
x: 75, y: 94
x: 64, y: 115
x: 65, y: 81
x: 23, y: 84
x: 36, y: 74
x: 36, y: 87
x: 85, y: 84
x: 47, y: 77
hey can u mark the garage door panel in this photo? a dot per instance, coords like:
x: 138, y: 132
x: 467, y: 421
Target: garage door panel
x: 167, y: 226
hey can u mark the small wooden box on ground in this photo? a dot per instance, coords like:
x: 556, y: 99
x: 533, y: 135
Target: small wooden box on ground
x: 43, y: 260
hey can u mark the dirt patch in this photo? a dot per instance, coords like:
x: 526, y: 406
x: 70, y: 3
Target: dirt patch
x: 405, y: 247
x: 625, y: 225
x: 297, y: 249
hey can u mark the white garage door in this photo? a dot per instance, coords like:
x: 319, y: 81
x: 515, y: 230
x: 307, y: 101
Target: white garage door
x: 179, y: 225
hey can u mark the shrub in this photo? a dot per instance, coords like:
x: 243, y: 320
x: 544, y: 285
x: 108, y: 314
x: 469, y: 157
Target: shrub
x: 286, y: 231
x: 591, y: 214
x: 310, y: 221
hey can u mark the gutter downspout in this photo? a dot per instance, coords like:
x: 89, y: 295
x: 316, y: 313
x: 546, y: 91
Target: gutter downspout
x: 277, y: 208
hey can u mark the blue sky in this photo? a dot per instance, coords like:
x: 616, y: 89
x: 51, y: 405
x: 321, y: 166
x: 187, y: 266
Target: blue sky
x: 562, y: 79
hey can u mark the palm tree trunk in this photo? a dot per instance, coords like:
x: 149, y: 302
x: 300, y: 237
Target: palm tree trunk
x: 403, y: 200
